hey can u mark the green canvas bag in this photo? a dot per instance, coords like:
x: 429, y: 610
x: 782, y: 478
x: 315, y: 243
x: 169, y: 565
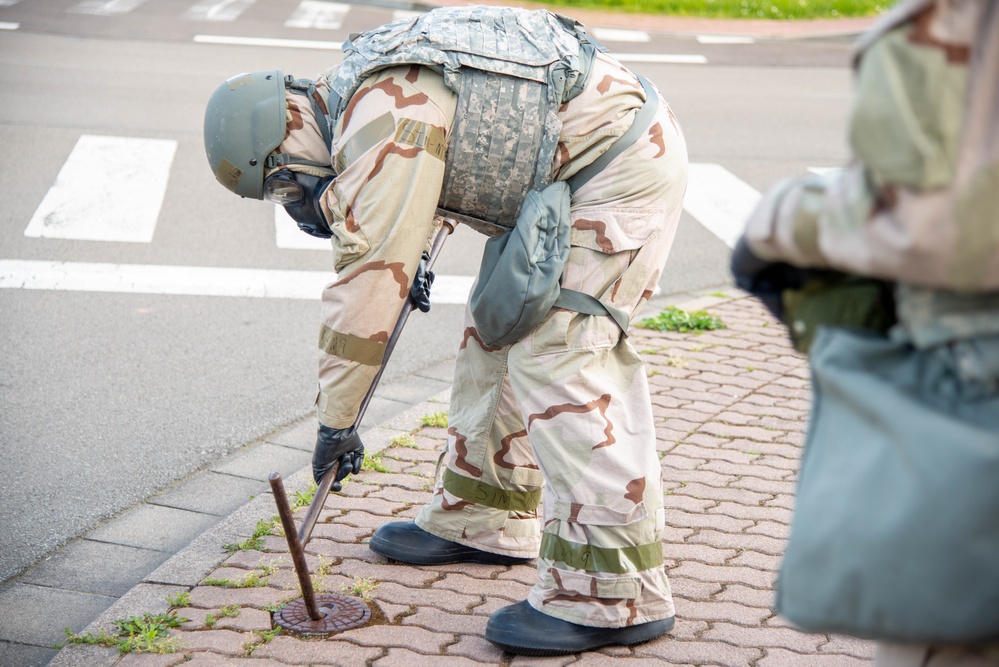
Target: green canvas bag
x: 518, y: 281
x: 895, y: 533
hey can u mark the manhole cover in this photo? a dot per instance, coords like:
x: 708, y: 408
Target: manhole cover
x: 339, y: 613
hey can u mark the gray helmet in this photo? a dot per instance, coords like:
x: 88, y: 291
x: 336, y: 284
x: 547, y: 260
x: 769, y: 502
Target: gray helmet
x: 244, y: 123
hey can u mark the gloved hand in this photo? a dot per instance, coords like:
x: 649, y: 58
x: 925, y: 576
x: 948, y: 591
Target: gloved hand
x: 420, y: 290
x: 768, y: 280
x: 341, y: 446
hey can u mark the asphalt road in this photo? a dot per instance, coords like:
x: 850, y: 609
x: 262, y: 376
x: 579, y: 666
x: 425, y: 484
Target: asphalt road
x: 108, y: 397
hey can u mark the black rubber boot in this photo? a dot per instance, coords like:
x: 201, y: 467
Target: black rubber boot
x: 405, y: 541
x: 523, y: 630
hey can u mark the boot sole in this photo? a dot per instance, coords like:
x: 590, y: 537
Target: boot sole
x: 641, y: 634
x: 467, y: 555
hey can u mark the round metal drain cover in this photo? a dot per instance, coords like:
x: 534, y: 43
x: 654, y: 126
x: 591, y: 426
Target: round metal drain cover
x: 340, y: 613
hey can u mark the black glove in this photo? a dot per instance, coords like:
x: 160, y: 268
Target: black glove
x: 768, y: 280
x: 420, y: 291
x: 334, y: 446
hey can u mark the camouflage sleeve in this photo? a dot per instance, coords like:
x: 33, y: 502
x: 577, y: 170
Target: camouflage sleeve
x: 388, y: 150
x: 917, y: 205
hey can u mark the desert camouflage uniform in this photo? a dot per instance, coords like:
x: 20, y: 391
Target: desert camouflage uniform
x: 919, y: 206
x: 565, y: 413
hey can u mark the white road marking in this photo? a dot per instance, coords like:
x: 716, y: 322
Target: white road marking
x: 217, y: 10
x: 665, y: 58
x: 719, y: 200
x: 192, y: 280
x: 105, y: 7
x: 109, y: 189
x: 318, y: 14
x: 618, y: 35
x: 724, y: 39
x: 258, y: 41
x: 400, y: 14
x: 288, y: 236
x: 9, y: 26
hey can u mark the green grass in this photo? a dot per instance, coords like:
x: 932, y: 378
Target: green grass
x: 676, y: 319
x: 148, y: 633
x: 755, y: 9
x: 438, y: 419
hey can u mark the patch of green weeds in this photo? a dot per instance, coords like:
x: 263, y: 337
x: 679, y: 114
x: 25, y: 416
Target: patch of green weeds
x: 256, y: 542
x: 182, y: 599
x: 374, y: 463
x: 438, y: 419
x: 677, y: 319
x: 149, y: 633
x: 304, y: 498
x: 228, y: 611
x: 360, y: 587
x: 405, y: 440
x: 251, y: 580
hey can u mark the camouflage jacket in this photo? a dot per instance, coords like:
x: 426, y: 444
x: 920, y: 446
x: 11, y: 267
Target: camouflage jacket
x: 919, y: 203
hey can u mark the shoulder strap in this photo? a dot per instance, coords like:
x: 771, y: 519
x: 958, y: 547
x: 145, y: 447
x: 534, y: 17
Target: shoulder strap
x: 638, y: 127
x: 581, y: 302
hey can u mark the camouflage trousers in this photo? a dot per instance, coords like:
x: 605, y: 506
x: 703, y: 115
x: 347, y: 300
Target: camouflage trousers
x: 563, y: 419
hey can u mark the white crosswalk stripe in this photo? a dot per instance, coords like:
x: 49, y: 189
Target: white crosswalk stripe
x: 288, y: 236
x: 105, y: 7
x: 318, y: 14
x: 109, y: 189
x: 217, y: 10
x: 618, y: 35
x: 719, y: 200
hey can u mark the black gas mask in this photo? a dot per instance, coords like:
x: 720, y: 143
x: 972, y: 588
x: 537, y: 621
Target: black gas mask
x: 300, y: 193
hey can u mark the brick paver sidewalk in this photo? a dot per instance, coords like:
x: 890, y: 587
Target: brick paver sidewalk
x: 730, y: 406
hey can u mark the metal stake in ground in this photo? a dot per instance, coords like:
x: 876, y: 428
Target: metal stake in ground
x: 309, y: 615
x: 329, y: 613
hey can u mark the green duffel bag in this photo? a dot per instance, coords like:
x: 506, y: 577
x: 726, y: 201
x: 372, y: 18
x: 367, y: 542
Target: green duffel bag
x: 895, y: 534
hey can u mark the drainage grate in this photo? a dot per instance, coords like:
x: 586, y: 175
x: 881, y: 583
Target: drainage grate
x: 339, y: 613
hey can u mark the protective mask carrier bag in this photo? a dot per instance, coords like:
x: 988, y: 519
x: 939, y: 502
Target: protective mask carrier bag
x: 519, y: 278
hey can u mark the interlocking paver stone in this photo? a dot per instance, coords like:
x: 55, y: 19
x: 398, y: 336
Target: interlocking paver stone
x: 731, y: 409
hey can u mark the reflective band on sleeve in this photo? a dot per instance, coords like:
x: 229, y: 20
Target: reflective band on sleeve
x: 475, y: 491
x: 420, y: 134
x: 364, y: 140
x: 601, y: 559
x: 351, y: 347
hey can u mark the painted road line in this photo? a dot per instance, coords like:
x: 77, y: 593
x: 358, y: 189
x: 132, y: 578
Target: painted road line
x: 258, y: 41
x: 9, y: 26
x: 109, y: 189
x: 719, y: 200
x: 217, y: 10
x: 288, y: 236
x: 664, y: 58
x: 401, y: 14
x: 318, y: 14
x: 617, y: 35
x: 105, y: 7
x: 191, y: 280
x: 725, y: 39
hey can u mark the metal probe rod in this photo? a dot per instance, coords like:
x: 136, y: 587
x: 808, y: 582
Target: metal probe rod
x: 312, y: 514
x: 295, y: 546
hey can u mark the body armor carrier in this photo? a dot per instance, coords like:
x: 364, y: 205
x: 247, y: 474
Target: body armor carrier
x: 511, y: 70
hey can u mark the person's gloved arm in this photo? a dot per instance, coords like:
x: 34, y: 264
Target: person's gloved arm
x: 767, y: 280
x: 337, y: 446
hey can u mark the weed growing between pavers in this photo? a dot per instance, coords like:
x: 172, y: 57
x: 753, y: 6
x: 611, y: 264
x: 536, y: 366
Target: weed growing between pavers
x: 251, y: 580
x: 304, y: 498
x: 228, y: 611
x: 438, y: 419
x: 256, y: 542
x: 149, y: 633
x: 361, y: 587
x: 679, y: 320
x: 181, y: 599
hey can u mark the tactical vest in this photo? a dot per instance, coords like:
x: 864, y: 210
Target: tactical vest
x: 511, y: 69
